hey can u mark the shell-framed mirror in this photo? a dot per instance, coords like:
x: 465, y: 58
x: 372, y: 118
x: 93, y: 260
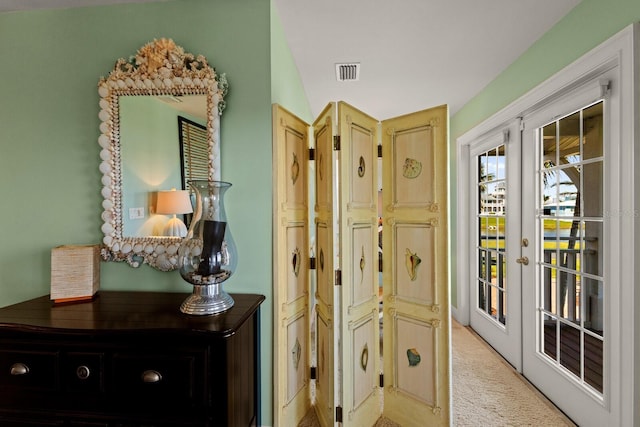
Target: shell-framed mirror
x: 147, y: 151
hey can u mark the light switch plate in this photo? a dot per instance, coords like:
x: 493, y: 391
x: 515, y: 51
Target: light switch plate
x: 136, y: 213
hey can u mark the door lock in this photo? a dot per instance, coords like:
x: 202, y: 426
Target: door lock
x: 523, y: 260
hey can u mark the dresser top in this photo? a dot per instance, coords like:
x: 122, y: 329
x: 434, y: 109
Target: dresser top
x: 118, y: 312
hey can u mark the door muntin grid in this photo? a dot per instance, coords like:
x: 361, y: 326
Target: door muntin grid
x: 570, y: 223
x: 490, y: 219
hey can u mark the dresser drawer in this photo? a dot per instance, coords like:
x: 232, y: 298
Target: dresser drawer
x: 29, y: 370
x: 153, y: 378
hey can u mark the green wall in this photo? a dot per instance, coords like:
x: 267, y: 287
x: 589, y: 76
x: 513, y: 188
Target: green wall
x: 590, y: 23
x: 286, y: 86
x: 49, y: 154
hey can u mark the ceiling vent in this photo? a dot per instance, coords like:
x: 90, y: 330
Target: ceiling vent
x: 348, y: 72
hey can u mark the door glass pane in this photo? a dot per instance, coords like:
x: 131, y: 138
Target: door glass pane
x: 571, y: 223
x: 592, y: 258
x: 593, y: 361
x: 548, y: 293
x: 592, y: 132
x: 592, y: 185
x: 549, y: 146
x: 481, y: 295
x: 490, y: 249
x: 570, y: 348
x: 502, y: 285
x: 593, y: 306
x: 569, y: 138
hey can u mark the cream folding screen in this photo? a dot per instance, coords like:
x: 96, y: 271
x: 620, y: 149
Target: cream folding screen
x: 327, y: 298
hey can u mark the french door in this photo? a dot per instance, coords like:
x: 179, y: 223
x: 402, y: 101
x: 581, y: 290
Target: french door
x: 541, y: 290
x: 568, y: 247
x: 567, y: 285
x: 495, y: 246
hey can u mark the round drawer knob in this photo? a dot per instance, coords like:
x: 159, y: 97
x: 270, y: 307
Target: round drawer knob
x: 19, y: 369
x: 83, y: 372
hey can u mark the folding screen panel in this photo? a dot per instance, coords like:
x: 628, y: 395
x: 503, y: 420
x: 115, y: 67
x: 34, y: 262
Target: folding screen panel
x: 415, y: 271
x: 292, y: 342
x: 327, y: 386
x: 357, y: 204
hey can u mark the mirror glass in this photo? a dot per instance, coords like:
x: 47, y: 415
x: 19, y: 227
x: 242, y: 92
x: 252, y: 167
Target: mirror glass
x: 152, y: 155
x: 154, y: 108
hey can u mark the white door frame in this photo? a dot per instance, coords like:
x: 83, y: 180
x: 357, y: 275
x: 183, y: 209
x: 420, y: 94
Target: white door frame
x: 620, y: 52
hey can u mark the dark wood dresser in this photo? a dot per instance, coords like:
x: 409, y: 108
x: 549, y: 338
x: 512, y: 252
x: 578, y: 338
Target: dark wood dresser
x: 129, y: 359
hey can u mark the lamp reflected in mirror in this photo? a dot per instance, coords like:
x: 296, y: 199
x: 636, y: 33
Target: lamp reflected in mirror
x: 174, y: 202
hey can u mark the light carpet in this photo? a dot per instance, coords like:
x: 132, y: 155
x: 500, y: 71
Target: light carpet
x: 487, y: 391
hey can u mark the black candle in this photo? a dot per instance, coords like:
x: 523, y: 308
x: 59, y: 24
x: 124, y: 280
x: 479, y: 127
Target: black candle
x: 212, y: 238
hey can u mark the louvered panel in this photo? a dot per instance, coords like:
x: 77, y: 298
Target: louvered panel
x: 194, y: 151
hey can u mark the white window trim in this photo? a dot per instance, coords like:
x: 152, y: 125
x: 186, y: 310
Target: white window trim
x: 621, y: 52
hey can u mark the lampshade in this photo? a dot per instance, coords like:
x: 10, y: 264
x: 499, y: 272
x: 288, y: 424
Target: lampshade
x: 173, y: 202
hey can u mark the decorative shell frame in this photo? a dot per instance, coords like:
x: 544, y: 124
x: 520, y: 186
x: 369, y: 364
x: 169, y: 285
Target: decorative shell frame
x: 159, y: 68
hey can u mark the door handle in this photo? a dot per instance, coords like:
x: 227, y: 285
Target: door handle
x: 523, y: 260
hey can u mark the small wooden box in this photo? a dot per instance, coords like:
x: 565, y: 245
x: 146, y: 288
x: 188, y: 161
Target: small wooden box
x: 75, y: 272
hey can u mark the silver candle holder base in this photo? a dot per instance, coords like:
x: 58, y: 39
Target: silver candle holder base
x: 207, y: 300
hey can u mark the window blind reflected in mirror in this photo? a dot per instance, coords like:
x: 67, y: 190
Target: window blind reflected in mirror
x: 194, y: 151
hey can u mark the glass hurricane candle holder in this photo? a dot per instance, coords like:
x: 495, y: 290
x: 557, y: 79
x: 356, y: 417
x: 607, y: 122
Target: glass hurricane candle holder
x: 207, y: 255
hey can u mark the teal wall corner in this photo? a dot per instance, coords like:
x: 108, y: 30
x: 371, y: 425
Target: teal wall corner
x: 286, y: 85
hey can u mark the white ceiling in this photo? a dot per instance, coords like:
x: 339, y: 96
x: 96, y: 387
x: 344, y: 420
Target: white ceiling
x: 413, y: 54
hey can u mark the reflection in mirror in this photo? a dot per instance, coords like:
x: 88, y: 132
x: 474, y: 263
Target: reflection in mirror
x: 144, y: 103
x: 193, y: 151
x: 151, y: 153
